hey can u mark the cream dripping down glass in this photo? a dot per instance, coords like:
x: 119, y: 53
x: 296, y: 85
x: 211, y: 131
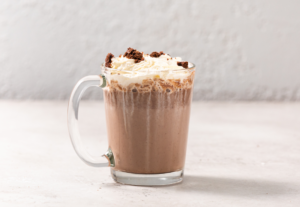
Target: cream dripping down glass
x: 147, y: 105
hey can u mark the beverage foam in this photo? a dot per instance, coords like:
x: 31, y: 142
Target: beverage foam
x: 126, y: 72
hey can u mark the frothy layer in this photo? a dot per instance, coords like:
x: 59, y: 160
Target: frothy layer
x: 125, y: 79
x: 153, y: 85
x: 126, y: 70
x: 150, y: 64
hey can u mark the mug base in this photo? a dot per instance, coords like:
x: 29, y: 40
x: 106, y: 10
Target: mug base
x: 147, y: 179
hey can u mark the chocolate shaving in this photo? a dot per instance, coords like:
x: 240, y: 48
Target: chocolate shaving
x: 183, y: 64
x: 157, y: 54
x: 108, y: 61
x: 134, y: 54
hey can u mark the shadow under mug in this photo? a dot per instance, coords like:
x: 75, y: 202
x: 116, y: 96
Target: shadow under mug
x: 147, y: 124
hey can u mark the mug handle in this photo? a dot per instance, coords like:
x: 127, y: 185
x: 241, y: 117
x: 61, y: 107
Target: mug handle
x: 73, y: 106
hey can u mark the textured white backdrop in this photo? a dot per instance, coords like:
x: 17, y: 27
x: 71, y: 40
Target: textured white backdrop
x: 244, y: 49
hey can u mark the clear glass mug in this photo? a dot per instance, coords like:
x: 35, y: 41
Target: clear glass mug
x: 147, y: 124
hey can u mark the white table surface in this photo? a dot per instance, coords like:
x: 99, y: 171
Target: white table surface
x: 239, y: 154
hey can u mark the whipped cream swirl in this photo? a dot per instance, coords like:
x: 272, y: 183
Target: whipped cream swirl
x: 126, y: 71
x: 164, y: 62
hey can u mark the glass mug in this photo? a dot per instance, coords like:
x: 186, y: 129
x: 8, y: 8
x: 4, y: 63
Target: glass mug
x: 147, y: 124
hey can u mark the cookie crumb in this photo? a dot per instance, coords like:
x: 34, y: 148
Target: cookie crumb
x: 183, y: 64
x: 108, y: 60
x: 157, y: 54
x: 154, y: 54
x: 134, y: 54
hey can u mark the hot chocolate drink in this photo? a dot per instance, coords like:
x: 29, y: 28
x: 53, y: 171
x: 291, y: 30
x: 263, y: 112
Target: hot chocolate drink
x: 147, y: 106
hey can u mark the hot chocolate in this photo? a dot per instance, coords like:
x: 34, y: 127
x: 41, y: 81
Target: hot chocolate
x: 147, y: 106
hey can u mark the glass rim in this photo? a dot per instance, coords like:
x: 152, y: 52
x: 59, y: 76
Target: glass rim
x: 193, y: 66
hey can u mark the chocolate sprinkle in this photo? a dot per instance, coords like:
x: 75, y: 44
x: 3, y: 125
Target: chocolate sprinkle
x: 108, y: 61
x: 134, y: 54
x: 183, y: 64
x: 157, y: 54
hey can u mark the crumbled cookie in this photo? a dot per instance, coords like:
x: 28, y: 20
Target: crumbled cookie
x: 134, y: 54
x: 154, y: 84
x: 157, y: 54
x: 108, y: 60
x: 183, y: 64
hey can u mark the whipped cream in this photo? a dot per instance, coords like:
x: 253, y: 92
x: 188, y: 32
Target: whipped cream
x: 164, y: 62
x: 126, y: 71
